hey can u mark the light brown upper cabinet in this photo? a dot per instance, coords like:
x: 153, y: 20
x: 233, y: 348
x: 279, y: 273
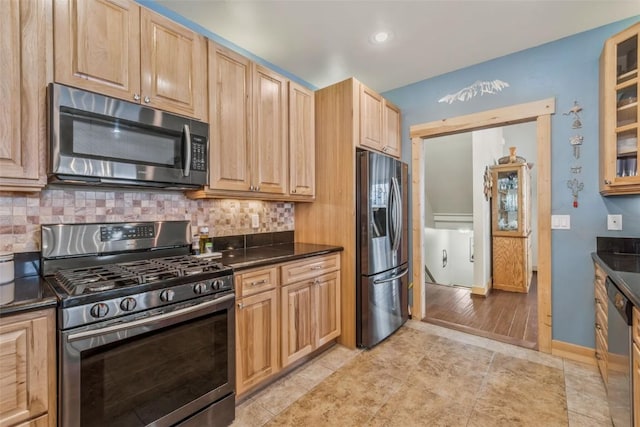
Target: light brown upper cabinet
x: 619, y: 130
x: 119, y: 49
x: 302, y: 169
x: 379, y: 123
x: 269, y: 131
x: 392, y: 130
x: 25, y: 73
x: 251, y: 124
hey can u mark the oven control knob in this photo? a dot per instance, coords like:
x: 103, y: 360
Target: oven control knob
x: 218, y: 284
x: 200, y: 288
x: 167, y: 295
x: 128, y: 304
x: 99, y: 310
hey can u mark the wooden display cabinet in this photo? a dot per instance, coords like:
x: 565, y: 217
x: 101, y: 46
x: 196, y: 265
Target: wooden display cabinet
x: 511, y: 227
x: 619, y: 131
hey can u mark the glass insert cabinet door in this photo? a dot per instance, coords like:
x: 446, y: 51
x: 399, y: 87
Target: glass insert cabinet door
x: 627, y: 107
x: 507, y: 202
x: 619, y: 115
x: 510, y: 199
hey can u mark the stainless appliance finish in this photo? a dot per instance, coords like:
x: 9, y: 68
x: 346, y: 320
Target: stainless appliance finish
x: 146, y: 331
x: 100, y: 140
x: 619, y: 385
x: 382, y: 252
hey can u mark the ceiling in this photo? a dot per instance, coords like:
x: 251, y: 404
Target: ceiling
x: 323, y: 42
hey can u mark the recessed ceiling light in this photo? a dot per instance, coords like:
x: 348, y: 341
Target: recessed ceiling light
x: 381, y: 37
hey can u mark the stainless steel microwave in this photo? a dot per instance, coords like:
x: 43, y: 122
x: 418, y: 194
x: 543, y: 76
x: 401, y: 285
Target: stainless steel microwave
x: 95, y: 139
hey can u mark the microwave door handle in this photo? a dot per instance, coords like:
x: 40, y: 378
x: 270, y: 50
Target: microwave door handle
x: 186, y: 165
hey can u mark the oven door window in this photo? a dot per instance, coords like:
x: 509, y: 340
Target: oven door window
x: 139, y: 380
x: 97, y: 137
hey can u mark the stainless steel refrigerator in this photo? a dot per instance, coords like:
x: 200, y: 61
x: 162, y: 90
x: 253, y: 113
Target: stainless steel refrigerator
x: 382, y: 249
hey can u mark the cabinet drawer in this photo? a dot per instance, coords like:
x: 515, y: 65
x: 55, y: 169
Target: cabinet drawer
x: 254, y: 281
x: 636, y: 326
x: 310, y: 267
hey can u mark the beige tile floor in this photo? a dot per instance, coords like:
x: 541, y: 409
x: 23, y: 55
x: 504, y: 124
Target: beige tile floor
x: 425, y: 375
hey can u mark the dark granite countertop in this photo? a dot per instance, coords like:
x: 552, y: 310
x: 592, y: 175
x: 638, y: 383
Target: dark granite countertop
x: 242, y: 259
x: 618, y: 257
x: 30, y: 291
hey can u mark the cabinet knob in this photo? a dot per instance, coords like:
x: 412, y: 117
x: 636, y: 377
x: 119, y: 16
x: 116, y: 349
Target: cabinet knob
x: 607, y: 182
x: 136, y: 97
x: 257, y: 188
x: 240, y: 305
x: 147, y: 99
x: 598, y: 357
x: 293, y: 190
x: 251, y: 187
x: 598, y: 326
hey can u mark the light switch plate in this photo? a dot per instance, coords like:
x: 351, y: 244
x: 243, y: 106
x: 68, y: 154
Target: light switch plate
x: 561, y: 222
x: 614, y: 222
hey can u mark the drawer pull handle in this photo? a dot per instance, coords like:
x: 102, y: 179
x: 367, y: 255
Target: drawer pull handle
x: 316, y: 267
x: 259, y: 282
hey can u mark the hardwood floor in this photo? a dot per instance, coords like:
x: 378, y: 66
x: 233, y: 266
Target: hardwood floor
x: 504, y: 316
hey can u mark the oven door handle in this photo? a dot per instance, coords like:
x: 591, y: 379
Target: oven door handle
x: 149, y: 320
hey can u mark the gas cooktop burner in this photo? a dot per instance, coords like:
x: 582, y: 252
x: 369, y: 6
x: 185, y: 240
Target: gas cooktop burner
x: 106, y: 277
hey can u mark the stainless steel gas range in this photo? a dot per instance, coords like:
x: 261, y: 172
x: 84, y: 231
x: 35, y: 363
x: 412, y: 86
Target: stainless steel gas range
x: 146, y: 332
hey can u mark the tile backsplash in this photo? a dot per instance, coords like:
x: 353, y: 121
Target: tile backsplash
x: 21, y: 214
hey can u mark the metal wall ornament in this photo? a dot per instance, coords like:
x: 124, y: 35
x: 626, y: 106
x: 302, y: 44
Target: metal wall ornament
x: 477, y: 88
x: 575, y: 141
x: 575, y: 112
x: 575, y: 186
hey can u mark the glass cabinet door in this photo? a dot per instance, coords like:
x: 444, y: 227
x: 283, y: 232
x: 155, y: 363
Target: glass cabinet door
x: 627, y: 108
x: 507, y: 202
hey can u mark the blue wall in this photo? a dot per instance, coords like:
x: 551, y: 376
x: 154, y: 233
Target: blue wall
x: 566, y: 69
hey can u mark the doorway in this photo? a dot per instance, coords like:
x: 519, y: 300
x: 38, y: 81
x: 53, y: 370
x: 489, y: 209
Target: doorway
x: 538, y: 112
x: 458, y: 287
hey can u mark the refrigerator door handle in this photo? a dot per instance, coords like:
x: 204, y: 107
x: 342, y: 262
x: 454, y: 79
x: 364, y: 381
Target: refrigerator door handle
x: 378, y: 281
x: 397, y: 213
x: 390, y: 217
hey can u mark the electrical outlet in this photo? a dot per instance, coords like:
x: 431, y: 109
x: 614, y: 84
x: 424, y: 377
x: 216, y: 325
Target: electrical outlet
x: 614, y: 222
x: 255, y: 221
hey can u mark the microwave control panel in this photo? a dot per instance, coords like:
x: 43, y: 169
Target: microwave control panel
x: 198, y: 153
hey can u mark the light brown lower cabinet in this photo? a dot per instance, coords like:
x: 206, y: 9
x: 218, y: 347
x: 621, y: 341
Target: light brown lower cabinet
x: 256, y: 327
x: 601, y: 323
x: 310, y: 307
x: 283, y: 313
x: 636, y: 384
x: 28, y: 369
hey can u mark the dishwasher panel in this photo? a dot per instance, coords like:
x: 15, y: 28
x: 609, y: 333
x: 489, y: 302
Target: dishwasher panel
x: 619, y: 357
